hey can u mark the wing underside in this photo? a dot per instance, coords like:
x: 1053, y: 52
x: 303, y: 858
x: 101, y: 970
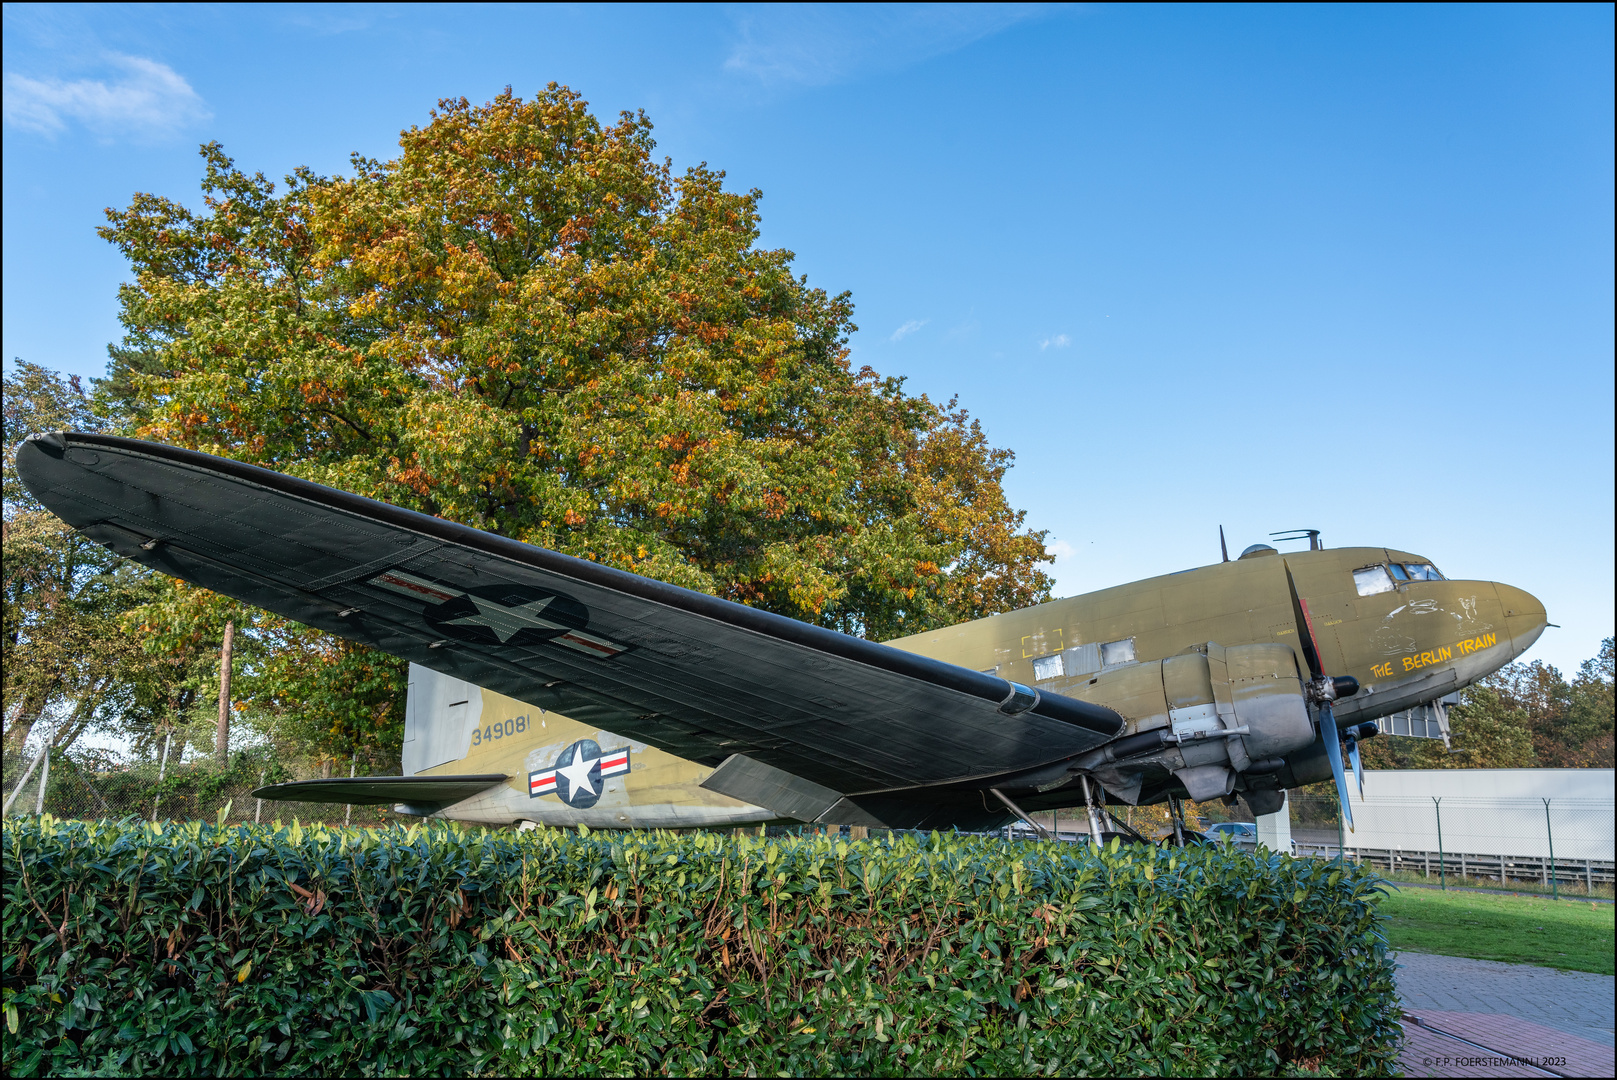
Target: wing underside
x: 700, y: 677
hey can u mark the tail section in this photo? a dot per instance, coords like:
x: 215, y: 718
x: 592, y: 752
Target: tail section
x: 471, y: 754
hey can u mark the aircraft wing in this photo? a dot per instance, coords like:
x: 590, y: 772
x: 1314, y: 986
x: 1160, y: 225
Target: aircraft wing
x: 703, y: 678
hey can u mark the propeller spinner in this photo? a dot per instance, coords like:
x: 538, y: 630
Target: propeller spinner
x: 1322, y: 690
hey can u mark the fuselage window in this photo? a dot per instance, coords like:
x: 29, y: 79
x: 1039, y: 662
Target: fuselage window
x: 1117, y: 652
x: 1398, y: 571
x: 1420, y: 571
x: 1372, y: 580
x: 1048, y: 667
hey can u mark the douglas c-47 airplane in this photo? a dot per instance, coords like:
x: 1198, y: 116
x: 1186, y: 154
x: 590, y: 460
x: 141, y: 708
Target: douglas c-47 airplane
x: 553, y: 690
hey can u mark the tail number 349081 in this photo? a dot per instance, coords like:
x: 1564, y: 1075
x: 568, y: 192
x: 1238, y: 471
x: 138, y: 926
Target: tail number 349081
x: 516, y: 725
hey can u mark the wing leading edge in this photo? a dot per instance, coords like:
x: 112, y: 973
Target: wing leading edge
x: 700, y: 677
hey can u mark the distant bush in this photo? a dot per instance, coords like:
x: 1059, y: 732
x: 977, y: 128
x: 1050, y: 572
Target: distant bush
x: 201, y: 950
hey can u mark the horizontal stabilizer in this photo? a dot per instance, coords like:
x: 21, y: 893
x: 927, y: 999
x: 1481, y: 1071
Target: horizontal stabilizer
x: 365, y: 790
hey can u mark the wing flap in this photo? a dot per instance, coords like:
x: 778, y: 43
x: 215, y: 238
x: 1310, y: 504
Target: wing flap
x: 751, y: 781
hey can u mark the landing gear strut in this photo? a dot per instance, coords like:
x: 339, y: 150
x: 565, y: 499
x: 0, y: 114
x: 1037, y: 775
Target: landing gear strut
x: 1094, y: 816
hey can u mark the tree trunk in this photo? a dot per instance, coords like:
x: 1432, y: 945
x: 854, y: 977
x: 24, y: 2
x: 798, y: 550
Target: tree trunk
x: 23, y: 718
x: 221, y: 738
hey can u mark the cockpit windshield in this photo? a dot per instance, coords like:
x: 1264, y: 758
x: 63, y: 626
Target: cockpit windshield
x: 1371, y: 580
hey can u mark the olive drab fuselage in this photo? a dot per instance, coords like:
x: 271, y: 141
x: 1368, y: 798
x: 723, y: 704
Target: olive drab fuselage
x: 1408, y: 640
x: 1408, y: 643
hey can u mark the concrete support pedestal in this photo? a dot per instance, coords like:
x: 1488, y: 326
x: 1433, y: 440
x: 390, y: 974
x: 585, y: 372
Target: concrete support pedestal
x: 1274, y: 830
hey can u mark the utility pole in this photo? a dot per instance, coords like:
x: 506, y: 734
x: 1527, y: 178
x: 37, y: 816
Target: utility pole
x: 1442, y: 870
x: 221, y: 738
x: 44, y: 777
x: 348, y: 811
x: 1549, y: 831
x: 162, y: 768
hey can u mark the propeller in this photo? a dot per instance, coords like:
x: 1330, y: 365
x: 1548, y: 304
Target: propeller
x: 1352, y: 744
x: 1322, y: 690
x: 1351, y: 738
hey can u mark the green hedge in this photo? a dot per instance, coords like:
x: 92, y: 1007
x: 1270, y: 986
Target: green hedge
x: 198, y: 950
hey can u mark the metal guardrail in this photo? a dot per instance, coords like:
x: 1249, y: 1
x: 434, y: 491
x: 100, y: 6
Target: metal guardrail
x: 1503, y: 868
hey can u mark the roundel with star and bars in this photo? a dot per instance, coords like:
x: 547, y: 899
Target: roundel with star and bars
x: 500, y: 614
x: 579, y: 774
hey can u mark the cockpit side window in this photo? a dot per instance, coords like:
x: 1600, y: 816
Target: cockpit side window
x: 1420, y: 571
x: 1398, y: 571
x: 1371, y: 580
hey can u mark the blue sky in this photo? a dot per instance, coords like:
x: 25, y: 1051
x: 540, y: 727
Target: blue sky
x: 1265, y: 267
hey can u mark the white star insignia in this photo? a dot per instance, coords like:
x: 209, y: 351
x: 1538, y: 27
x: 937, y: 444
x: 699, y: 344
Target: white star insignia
x: 507, y: 622
x: 578, y: 774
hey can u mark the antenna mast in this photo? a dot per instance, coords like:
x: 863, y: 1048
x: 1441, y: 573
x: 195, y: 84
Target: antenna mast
x: 1298, y: 534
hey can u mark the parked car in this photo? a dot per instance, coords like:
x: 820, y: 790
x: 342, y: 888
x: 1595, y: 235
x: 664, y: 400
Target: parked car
x: 1241, y: 833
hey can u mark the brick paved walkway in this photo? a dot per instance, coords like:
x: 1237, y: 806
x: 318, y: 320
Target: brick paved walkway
x: 1473, y: 1017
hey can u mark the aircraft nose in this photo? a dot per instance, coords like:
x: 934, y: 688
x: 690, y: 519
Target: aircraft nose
x: 1525, y: 617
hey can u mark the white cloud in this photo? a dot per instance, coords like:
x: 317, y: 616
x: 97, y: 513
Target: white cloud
x: 813, y: 44
x: 1060, y: 341
x: 907, y: 329
x: 1059, y: 549
x: 144, y: 98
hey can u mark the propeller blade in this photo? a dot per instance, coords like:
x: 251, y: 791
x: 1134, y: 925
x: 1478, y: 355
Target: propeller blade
x: 1305, y: 630
x: 1333, y: 750
x: 1315, y: 663
x: 1358, y: 770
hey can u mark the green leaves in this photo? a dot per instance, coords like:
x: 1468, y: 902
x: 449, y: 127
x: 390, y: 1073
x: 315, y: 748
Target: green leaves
x: 438, y: 950
x: 526, y: 323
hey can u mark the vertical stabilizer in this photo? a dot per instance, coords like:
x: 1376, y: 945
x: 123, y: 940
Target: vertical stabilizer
x: 439, y: 715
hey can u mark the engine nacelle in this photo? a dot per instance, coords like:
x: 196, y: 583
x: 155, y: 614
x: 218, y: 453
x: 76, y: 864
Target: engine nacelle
x: 1204, y: 717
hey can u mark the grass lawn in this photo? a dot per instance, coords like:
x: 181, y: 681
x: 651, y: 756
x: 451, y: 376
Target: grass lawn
x: 1575, y: 935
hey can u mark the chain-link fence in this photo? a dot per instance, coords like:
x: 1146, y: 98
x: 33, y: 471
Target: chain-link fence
x: 165, y: 786
x: 1551, y: 844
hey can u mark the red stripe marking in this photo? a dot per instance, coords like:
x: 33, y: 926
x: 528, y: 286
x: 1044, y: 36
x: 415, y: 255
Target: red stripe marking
x: 605, y: 650
x: 1313, y: 642
x: 414, y: 587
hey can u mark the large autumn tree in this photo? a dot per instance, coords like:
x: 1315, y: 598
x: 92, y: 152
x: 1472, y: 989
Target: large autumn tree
x: 526, y: 323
